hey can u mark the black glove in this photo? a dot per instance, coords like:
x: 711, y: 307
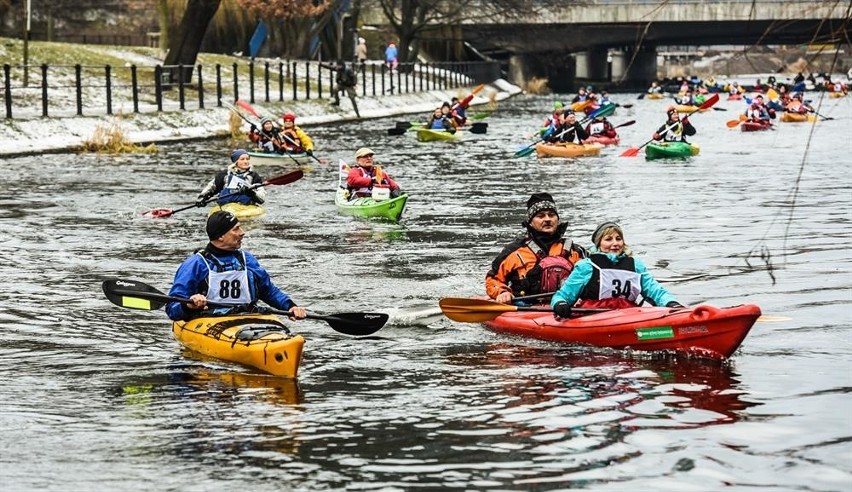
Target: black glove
x: 562, y: 310
x: 201, y: 200
x: 310, y: 153
x: 675, y: 304
x: 253, y: 129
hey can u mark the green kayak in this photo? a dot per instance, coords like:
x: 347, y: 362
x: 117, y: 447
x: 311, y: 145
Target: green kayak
x: 427, y: 135
x: 669, y: 150
x: 368, y: 207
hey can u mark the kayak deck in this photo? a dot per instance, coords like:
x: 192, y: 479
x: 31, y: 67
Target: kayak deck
x: 261, y: 341
x: 240, y: 211
x: 369, y: 208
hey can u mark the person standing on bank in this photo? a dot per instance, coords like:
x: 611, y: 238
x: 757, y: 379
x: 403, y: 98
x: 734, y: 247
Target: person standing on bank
x: 223, y: 279
x: 234, y: 184
x: 361, y: 51
x: 361, y: 178
x: 538, y: 261
x: 610, y: 278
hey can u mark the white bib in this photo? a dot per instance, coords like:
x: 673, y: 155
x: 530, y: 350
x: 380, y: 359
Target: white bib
x: 619, y: 284
x: 235, y: 181
x: 229, y: 288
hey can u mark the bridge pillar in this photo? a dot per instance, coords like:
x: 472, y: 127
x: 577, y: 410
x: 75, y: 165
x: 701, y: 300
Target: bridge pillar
x: 592, y: 64
x: 643, y: 70
x: 518, y: 70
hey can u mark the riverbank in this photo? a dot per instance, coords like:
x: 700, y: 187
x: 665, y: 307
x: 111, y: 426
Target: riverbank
x: 61, y: 134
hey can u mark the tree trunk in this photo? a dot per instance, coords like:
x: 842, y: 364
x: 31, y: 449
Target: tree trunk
x: 185, y: 41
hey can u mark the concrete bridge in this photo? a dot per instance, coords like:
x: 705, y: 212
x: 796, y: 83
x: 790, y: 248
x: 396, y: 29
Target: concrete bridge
x: 617, y: 39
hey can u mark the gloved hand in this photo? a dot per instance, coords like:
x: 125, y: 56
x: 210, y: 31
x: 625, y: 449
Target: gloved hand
x: 310, y: 153
x: 201, y: 200
x: 253, y: 129
x: 562, y: 310
x: 675, y: 304
x: 657, y: 136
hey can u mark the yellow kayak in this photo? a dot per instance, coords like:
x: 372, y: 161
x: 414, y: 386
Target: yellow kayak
x: 567, y: 149
x: 654, y: 95
x: 240, y: 211
x: 796, y: 117
x: 261, y: 341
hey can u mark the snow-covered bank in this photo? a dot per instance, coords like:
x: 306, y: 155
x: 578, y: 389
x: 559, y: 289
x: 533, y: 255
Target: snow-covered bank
x: 57, y: 134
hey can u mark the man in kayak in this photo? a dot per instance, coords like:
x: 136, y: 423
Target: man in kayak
x: 569, y: 130
x: 610, y: 278
x: 234, y: 183
x: 538, y: 261
x: 362, y: 178
x: 601, y: 127
x: 295, y: 139
x: 674, y: 129
x: 223, y: 279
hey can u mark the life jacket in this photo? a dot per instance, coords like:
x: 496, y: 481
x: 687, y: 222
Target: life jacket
x: 674, y: 133
x: 232, y: 183
x: 612, y: 285
x: 218, y: 269
x: 287, y: 143
x: 366, y: 190
x: 551, y: 269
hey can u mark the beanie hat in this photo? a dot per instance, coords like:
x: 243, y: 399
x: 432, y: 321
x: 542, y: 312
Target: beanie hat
x: 671, y: 110
x: 289, y: 116
x: 265, y: 121
x: 219, y: 223
x: 539, y: 202
x: 235, y: 155
x: 598, y: 234
x: 557, y: 105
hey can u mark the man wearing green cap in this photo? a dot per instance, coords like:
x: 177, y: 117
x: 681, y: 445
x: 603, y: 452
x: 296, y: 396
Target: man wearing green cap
x: 225, y: 278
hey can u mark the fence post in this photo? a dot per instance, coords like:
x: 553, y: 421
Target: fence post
x: 266, y: 80
x: 44, y: 89
x: 78, y: 83
x: 293, y: 79
x: 134, y: 88
x: 383, y: 79
x: 308, y: 80
x: 280, y: 81
x: 398, y: 80
x: 7, y: 88
x: 236, y: 84
x: 364, y: 79
x: 373, y: 73
x: 158, y: 86
x: 200, y: 88
x: 218, y: 85
x: 319, y: 82
x: 108, y: 85
x: 407, y: 73
x: 181, y: 92
x: 420, y: 77
x: 251, y: 81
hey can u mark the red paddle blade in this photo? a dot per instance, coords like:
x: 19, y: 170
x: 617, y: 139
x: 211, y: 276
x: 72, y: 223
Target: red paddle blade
x: 248, y: 108
x: 631, y: 152
x: 286, y: 178
x: 159, y: 213
x: 709, y: 102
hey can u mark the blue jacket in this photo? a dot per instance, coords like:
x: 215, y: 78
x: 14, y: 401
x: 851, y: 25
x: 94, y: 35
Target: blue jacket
x: 582, y: 274
x: 191, y: 278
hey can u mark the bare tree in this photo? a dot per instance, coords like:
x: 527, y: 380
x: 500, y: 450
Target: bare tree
x: 185, y: 41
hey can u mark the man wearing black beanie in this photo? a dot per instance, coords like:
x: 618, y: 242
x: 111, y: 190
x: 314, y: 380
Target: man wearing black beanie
x: 537, y: 262
x: 227, y: 277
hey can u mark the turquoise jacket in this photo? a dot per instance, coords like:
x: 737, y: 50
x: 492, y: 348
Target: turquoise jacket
x: 582, y: 274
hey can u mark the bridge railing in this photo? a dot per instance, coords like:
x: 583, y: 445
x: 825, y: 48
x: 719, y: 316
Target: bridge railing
x: 77, y: 90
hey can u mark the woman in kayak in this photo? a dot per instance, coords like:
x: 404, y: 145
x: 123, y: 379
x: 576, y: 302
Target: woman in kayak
x: 439, y: 121
x: 234, y: 184
x: 609, y: 278
x: 674, y: 129
x: 361, y: 178
x: 758, y: 112
x: 569, y: 130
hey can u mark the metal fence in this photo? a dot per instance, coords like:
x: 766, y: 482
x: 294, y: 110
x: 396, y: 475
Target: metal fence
x: 67, y: 90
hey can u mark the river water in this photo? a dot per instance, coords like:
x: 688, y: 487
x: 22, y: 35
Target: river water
x: 101, y: 398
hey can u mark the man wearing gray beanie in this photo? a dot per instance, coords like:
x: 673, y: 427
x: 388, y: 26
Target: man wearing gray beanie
x: 227, y: 277
x: 537, y: 262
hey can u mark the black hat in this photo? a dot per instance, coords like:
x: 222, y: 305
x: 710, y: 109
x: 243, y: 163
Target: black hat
x: 539, y: 202
x: 219, y: 223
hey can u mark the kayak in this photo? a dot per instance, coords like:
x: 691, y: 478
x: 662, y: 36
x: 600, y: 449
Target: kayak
x: 684, y: 108
x: 428, y: 135
x: 601, y: 139
x: 654, y: 95
x: 703, y: 330
x: 276, y: 159
x: 240, y: 211
x: 581, y: 106
x: 368, y: 207
x: 261, y: 341
x: 754, y: 126
x: 567, y: 149
x: 836, y: 94
x: 735, y: 97
x: 667, y: 150
x: 788, y: 117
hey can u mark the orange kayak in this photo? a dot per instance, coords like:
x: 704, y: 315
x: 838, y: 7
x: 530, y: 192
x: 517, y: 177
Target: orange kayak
x: 567, y: 149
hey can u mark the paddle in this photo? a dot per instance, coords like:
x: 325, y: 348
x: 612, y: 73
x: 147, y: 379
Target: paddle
x: 641, y: 96
x: 634, y: 151
x: 133, y: 294
x: 254, y: 113
x: 464, y: 102
x: 478, y: 310
x: 814, y: 111
x: 734, y: 123
x: 261, y: 131
x: 397, y: 131
x: 283, y: 179
x: 602, y: 111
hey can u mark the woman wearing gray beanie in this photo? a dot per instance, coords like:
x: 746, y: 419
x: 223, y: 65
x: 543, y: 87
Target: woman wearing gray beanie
x: 234, y: 184
x: 609, y: 278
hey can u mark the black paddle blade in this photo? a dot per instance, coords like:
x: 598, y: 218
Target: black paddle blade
x: 356, y: 324
x: 396, y: 131
x: 120, y: 292
x: 403, y: 125
x: 479, y: 128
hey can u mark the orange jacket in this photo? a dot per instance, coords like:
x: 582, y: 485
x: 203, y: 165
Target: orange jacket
x: 511, y: 270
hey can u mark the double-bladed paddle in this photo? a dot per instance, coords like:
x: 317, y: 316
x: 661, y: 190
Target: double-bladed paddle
x: 283, y: 179
x: 735, y: 123
x: 601, y: 111
x: 634, y: 151
x: 248, y: 107
x: 133, y: 294
x: 479, y: 127
x: 469, y: 310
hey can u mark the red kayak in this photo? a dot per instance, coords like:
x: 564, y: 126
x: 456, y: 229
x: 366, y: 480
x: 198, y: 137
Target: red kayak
x: 755, y: 126
x: 601, y: 139
x: 703, y: 331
